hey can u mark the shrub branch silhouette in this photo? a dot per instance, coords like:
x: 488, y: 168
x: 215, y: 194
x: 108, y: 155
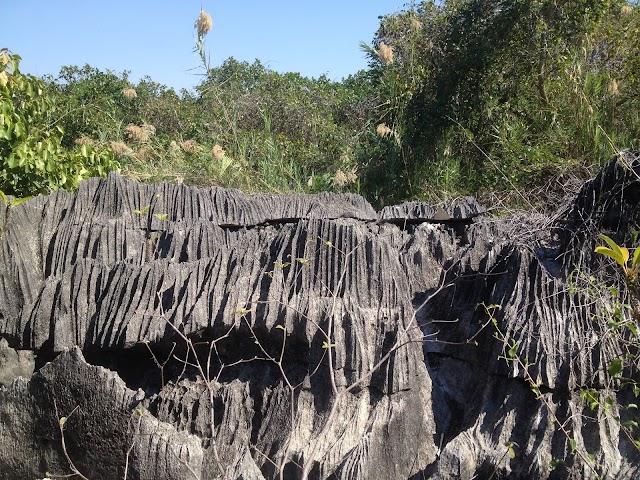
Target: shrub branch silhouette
x: 409, y: 331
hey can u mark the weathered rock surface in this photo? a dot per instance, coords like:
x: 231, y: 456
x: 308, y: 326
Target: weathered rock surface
x: 14, y: 363
x: 192, y: 333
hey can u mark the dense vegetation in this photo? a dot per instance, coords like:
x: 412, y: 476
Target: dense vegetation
x: 460, y: 97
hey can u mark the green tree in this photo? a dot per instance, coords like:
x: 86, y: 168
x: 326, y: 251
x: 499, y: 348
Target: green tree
x: 502, y: 94
x: 92, y: 103
x: 32, y: 158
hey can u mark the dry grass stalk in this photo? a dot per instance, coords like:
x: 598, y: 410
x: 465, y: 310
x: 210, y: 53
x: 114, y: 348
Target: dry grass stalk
x: 144, y: 155
x: 141, y: 133
x: 204, y: 23
x: 173, y: 147
x: 134, y: 132
x: 85, y: 141
x: 120, y: 148
x: 342, y: 179
x: 383, y: 130
x: 129, y: 93
x: 218, y: 152
x: 190, y: 146
x: 149, y: 129
x: 385, y: 52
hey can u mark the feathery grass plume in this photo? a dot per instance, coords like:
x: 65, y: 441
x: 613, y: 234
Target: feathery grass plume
x: 626, y: 10
x: 129, y: 93
x: 120, y: 148
x: 613, y: 88
x: 173, y: 147
x: 144, y: 155
x: 383, y: 130
x: 204, y: 23
x: 415, y: 24
x: 218, y: 152
x: 352, y: 176
x: 340, y: 179
x: 385, y: 52
x: 84, y: 141
x: 134, y: 132
x: 139, y: 134
x: 148, y: 129
x: 190, y: 146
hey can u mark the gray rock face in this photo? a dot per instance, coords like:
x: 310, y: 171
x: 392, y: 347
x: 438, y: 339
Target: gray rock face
x: 190, y: 333
x: 14, y: 364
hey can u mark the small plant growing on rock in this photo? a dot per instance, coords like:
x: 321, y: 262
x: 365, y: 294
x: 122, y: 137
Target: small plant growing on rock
x: 623, y: 370
x: 630, y: 267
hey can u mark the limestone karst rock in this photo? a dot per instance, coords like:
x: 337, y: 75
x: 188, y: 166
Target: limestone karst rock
x: 205, y: 333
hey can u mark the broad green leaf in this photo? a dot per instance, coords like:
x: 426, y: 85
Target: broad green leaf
x: 327, y: 345
x: 19, y: 129
x: 611, y: 253
x: 280, y: 327
x: 12, y: 161
x: 620, y: 252
x: 609, y: 241
x: 636, y: 258
x: 513, y: 351
x: 572, y: 443
x: 625, y: 255
x: 615, y: 367
x: 591, y: 397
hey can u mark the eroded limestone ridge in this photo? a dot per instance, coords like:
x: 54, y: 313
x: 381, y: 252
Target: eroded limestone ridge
x: 205, y: 333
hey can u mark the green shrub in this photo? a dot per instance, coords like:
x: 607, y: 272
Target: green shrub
x: 32, y: 159
x: 503, y: 95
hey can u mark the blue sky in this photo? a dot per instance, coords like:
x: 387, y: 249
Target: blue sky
x: 156, y: 38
